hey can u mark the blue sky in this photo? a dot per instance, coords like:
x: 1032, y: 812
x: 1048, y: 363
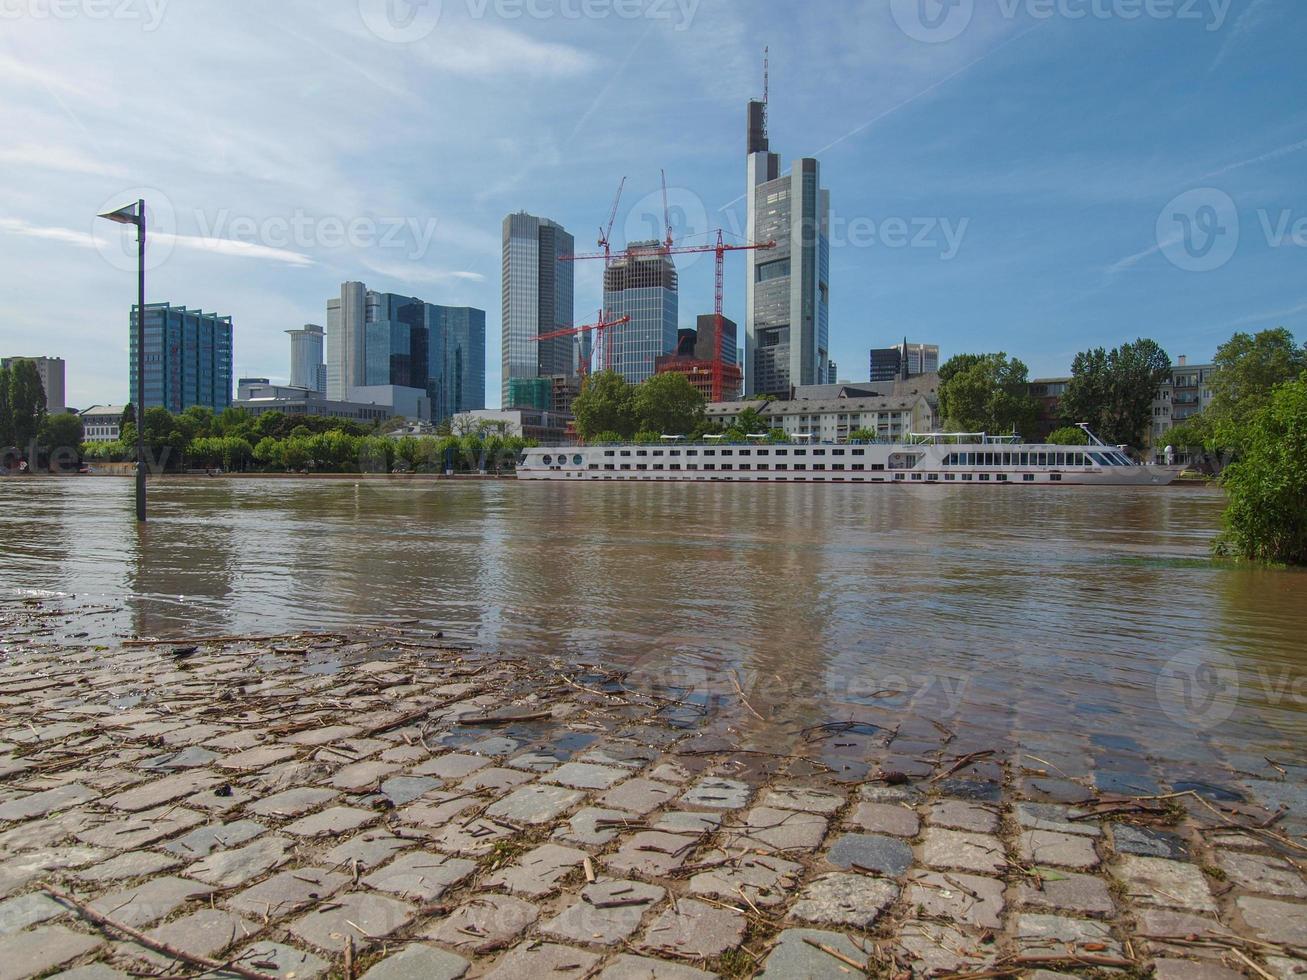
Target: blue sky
x: 1035, y: 176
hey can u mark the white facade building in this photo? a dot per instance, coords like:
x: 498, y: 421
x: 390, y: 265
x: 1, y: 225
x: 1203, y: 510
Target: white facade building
x: 102, y: 423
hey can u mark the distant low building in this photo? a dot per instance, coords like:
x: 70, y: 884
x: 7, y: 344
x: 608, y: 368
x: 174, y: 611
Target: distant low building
x: 891, y: 418
x: 51, y: 372
x: 528, y: 423
x: 410, y: 403
x: 304, y: 402
x: 1048, y: 392
x: 243, y: 385
x: 1185, y: 393
x: 102, y: 423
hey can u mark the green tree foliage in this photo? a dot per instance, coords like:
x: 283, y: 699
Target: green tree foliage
x: 777, y: 436
x: 987, y: 393
x: 751, y: 421
x: 668, y: 404
x: 60, y: 432
x: 647, y: 437
x: 6, y: 412
x: 862, y: 435
x: 1248, y: 367
x: 1114, y: 390
x: 1070, y: 435
x: 1266, y: 519
x: 605, y: 404
x: 26, y: 402
x: 610, y: 438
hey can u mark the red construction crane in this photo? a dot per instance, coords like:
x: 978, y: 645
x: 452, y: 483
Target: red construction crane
x: 720, y: 248
x: 598, y: 327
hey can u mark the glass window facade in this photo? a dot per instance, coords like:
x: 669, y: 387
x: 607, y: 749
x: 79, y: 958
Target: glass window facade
x: 188, y: 358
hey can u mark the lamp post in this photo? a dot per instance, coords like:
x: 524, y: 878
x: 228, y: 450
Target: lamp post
x: 135, y: 215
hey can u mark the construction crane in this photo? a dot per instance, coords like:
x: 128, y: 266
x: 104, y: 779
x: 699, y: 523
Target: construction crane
x: 605, y: 234
x: 667, y: 214
x: 720, y: 248
x: 598, y: 327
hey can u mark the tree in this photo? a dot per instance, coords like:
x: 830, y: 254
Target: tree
x: 646, y: 437
x: 750, y: 420
x: 6, y: 412
x: 862, y: 435
x: 1071, y: 435
x: 669, y: 404
x: 1248, y: 367
x: 60, y: 432
x: 605, y: 404
x: 26, y: 402
x: 1266, y: 519
x: 608, y: 438
x: 1114, y: 390
x: 987, y: 393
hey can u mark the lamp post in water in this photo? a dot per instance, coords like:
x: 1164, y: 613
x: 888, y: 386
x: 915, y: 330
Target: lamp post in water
x: 134, y: 214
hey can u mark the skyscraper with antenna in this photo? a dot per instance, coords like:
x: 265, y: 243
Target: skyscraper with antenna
x: 787, y: 290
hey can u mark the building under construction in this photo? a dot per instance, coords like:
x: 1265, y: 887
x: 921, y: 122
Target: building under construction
x: 640, y: 283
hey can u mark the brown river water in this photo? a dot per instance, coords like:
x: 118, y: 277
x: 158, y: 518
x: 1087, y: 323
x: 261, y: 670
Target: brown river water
x: 1084, y: 620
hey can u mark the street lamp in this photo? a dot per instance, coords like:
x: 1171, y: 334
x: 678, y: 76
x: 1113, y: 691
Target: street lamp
x: 134, y: 214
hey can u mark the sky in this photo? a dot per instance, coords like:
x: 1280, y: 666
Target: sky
x: 1028, y: 176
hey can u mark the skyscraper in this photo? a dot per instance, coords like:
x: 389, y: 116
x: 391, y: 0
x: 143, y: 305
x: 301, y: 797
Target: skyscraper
x: 307, y: 369
x: 537, y: 299
x: 903, y: 361
x: 385, y: 340
x: 787, y: 291
x: 188, y: 357
x: 641, y: 284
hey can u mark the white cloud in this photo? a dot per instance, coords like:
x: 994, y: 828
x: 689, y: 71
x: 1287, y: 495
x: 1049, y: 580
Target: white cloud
x: 488, y: 52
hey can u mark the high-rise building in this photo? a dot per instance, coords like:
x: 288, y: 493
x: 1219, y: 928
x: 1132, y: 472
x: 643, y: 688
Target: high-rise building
x: 51, y: 372
x: 537, y: 299
x: 307, y: 368
x: 903, y: 361
x: 787, y: 288
x: 188, y: 357
x: 384, y: 341
x: 705, y: 342
x: 641, y: 284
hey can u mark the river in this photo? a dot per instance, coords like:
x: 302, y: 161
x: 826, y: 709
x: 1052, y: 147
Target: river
x: 1043, y: 618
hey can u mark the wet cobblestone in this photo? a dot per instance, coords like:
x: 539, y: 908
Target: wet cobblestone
x: 382, y: 805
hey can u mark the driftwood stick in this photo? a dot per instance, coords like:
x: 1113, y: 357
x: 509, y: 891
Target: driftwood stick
x: 831, y: 951
x: 153, y: 944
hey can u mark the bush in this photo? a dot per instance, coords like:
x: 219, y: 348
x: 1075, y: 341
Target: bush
x: 1266, y: 519
x: 1070, y: 435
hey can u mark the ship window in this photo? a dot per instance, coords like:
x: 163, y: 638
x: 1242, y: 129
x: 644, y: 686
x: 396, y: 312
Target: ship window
x: 674, y: 452
x: 800, y: 452
x: 641, y: 466
x: 1056, y: 477
x: 577, y: 460
x: 818, y: 466
x: 782, y: 452
x: 984, y: 477
x: 626, y: 452
x: 950, y: 477
x: 609, y: 466
x: 837, y: 452
x: 916, y: 476
x: 746, y: 452
x: 626, y: 466
x: 746, y: 466
x: 710, y: 452
x: 658, y: 466
x: 1002, y: 478
x: 900, y: 476
x: 858, y: 467
x: 966, y: 476
x: 594, y: 466
x: 877, y: 466
x: 819, y: 452
x: 934, y: 478
x: 657, y: 452
x: 1029, y: 477
x: 728, y: 466
x: 642, y: 452
x: 781, y: 467
x: 547, y: 460
x: 609, y: 452
x: 838, y: 466
x: 710, y: 466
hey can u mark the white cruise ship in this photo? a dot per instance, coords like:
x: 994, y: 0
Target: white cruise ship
x: 928, y: 458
